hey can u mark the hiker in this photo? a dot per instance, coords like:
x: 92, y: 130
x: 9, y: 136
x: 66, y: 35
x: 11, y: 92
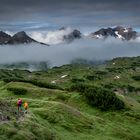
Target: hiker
x: 25, y: 106
x: 19, y: 103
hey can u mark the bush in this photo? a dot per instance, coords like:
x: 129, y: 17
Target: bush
x: 93, y: 77
x: 34, y: 82
x: 75, y: 80
x: 133, y: 114
x: 101, y: 73
x: 7, y: 80
x: 44, y: 85
x: 109, y: 85
x: 99, y: 96
x: 131, y: 88
x: 79, y: 87
x: 103, y: 98
x: 17, y: 91
x: 136, y: 78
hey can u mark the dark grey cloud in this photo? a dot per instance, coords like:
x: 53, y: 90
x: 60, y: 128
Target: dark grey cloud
x: 76, y: 13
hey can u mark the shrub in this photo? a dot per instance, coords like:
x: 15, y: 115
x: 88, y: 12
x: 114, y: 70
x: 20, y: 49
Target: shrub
x: 79, y: 87
x: 93, y: 77
x: 7, y: 80
x: 133, y: 114
x: 75, y: 80
x: 109, y: 85
x: 99, y: 96
x: 34, y: 82
x: 44, y: 85
x: 17, y: 91
x: 131, y: 88
x: 101, y: 72
x: 136, y: 78
x: 103, y: 98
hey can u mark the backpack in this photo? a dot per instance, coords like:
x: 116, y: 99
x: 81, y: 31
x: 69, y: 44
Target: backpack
x: 19, y: 102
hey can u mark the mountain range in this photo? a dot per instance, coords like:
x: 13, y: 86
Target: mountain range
x: 117, y: 32
x: 18, y: 38
x: 103, y: 33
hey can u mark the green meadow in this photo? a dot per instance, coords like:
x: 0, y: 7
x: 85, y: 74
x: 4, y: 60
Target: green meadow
x: 73, y: 102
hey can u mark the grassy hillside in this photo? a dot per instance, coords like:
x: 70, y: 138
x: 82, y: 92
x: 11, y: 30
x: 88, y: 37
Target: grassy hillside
x: 73, y: 102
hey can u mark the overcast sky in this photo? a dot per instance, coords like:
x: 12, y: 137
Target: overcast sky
x: 86, y: 15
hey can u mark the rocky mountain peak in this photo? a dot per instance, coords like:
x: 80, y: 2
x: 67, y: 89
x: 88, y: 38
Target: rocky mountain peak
x: 4, y: 38
x: 18, y: 38
x: 74, y: 34
x: 20, y: 34
x: 21, y: 38
x: 117, y: 32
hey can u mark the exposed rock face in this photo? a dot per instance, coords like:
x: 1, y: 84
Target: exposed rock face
x: 117, y: 32
x: 75, y: 34
x: 21, y: 38
x: 4, y: 38
x: 18, y: 38
x: 126, y: 33
x: 68, y: 35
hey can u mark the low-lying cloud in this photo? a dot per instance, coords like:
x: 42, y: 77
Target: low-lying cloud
x: 51, y: 37
x: 64, y: 53
x: 57, y: 36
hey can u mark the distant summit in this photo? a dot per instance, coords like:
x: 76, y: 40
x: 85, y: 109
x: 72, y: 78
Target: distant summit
x: 117, y: 32
x: 75, y: 34
x: 71, y: 34
x: 21, y: 38
x: 18, y: 38
x: 68, y: 35
x: 4, y: 38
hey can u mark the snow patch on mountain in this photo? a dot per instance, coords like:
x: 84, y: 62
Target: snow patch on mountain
x: 99, y: 36
x: 125, y: 30
x: 118, y: 35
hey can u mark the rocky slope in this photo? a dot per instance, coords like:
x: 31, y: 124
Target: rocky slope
x: 70, y: 34
x: 4, y: 38
x: 117, y: 32
x: 18, y: 38
x: 75, y: 34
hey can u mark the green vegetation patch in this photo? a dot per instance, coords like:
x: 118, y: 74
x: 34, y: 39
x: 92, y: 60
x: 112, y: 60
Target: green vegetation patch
x: 17, y: 90
x: 99, y: 96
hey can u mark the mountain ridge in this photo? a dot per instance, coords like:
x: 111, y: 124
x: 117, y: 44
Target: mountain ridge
x: 117, y: 32
x: 68, y: 35
x: 18, y: 38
